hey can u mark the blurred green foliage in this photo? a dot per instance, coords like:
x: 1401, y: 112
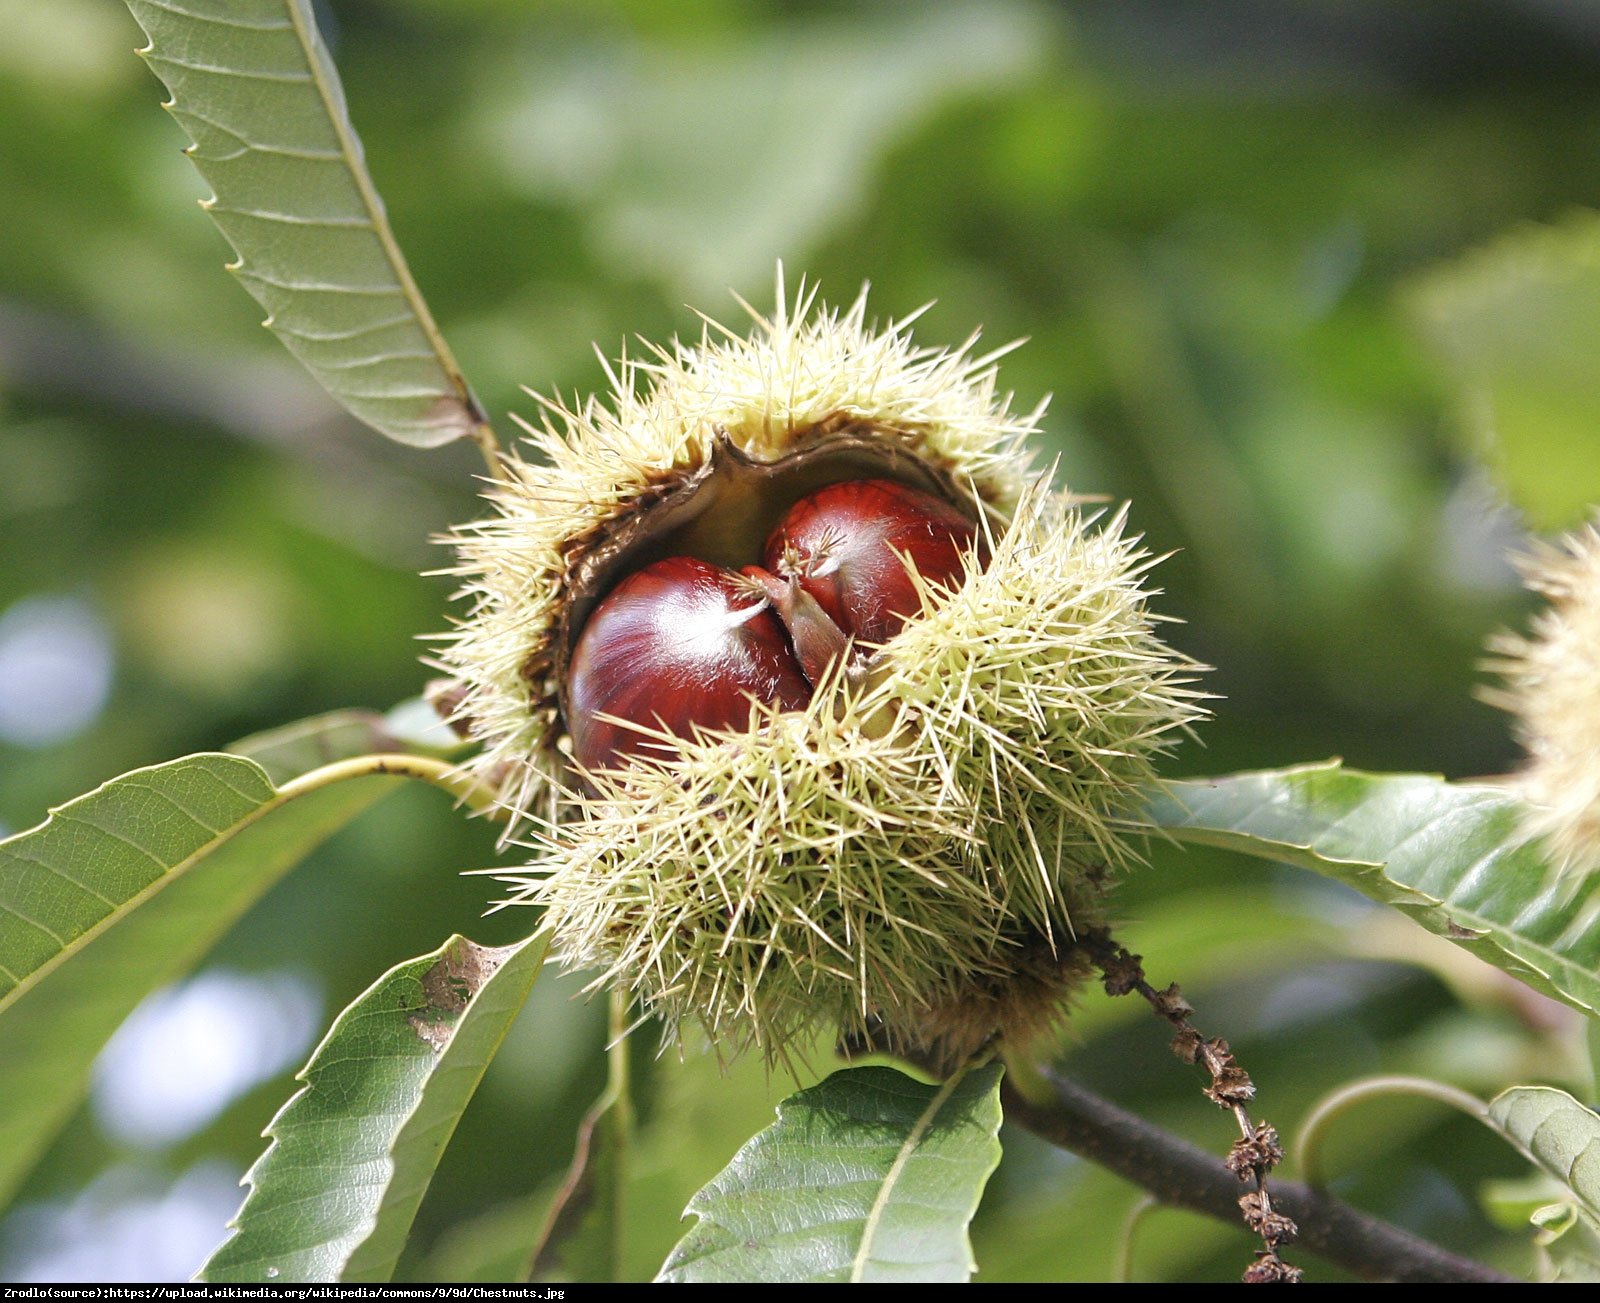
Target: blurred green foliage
x: 1209, y: 218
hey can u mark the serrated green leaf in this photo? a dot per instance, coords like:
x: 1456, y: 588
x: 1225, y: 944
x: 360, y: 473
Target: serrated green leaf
x: 334, y: 1195
x: 1516, y: 323
x: 869, y: 1176
x: 1451, y: 855
x: 127, y: 854
x: 1557, y: 1133
x: 253, y: 85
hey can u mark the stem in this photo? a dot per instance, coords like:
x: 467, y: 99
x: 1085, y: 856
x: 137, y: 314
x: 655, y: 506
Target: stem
x: 1186, y: 1176
x: 440, y: 773
x: 1334, y: 1105
x: 1143, y: 1206
x: 483, y: 435
x: 594, y: 1189
x: 1257, y: 1151
x: 619, y: 1098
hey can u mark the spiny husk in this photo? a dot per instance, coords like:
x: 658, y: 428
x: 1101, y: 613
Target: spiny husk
x: 1552, y: 687
x: 906, y: 858
x: 802, y: 369
x: 893, y: 850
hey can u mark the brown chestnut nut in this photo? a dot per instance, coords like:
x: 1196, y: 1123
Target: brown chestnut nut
x: 680, y: 644
x: 845, y: 544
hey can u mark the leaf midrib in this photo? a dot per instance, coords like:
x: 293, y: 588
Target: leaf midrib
x: 908, y: 1147
x: 280, y: 796
x: 355, y: 163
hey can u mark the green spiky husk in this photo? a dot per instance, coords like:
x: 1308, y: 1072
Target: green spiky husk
x: 802, y: 371
x: 886, y: 860
x: 906, y: 860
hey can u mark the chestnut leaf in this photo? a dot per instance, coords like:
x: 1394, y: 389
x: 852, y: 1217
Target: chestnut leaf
x: 334, y: 1195
x: 118, y: 893
x: 869, y: 1176
x: 1452, y: 856
x: 1562, y: 1137
x: 253, y: 85
x: 1559, y: 1134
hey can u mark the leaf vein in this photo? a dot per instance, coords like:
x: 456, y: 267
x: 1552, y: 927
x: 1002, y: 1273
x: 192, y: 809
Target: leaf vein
x: 320, y: 287
x: 184, y: 111
x: 378, y: 359
x: 212, y: 830
x: 244, y: 74
x: 292, y: 219
x: 72, y: 816
x: 35, y: 923
x: 171, y: 8
x: 334, y: 336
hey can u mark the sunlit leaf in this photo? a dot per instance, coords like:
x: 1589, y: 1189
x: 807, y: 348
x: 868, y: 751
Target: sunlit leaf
x: 1516, y: 323
x: 1451, y: 855
x: 252, y: 83
x: 703, y: 1111
x: 869, y: 1176
x: 172, y: 856
x: 334, y: 1195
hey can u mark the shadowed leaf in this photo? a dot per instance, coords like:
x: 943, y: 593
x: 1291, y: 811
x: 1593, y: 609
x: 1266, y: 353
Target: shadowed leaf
x: 582, y: 1234
x: 298, y: 748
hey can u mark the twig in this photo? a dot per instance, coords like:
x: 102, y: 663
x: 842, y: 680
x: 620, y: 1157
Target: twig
x: 399, y: 764
x: 1257, y: 1151
x: 1186, y: 1176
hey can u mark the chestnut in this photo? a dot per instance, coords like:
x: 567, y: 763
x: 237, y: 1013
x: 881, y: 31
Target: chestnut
x: 847, y: 545
x: 678, y: 645
x: 683, y: 644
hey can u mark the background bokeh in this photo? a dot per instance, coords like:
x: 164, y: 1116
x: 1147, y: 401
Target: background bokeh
x: 1211, y: 219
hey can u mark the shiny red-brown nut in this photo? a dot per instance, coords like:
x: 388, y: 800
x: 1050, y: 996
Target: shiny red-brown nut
x: 845, y: 544
x: 680, y: 644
